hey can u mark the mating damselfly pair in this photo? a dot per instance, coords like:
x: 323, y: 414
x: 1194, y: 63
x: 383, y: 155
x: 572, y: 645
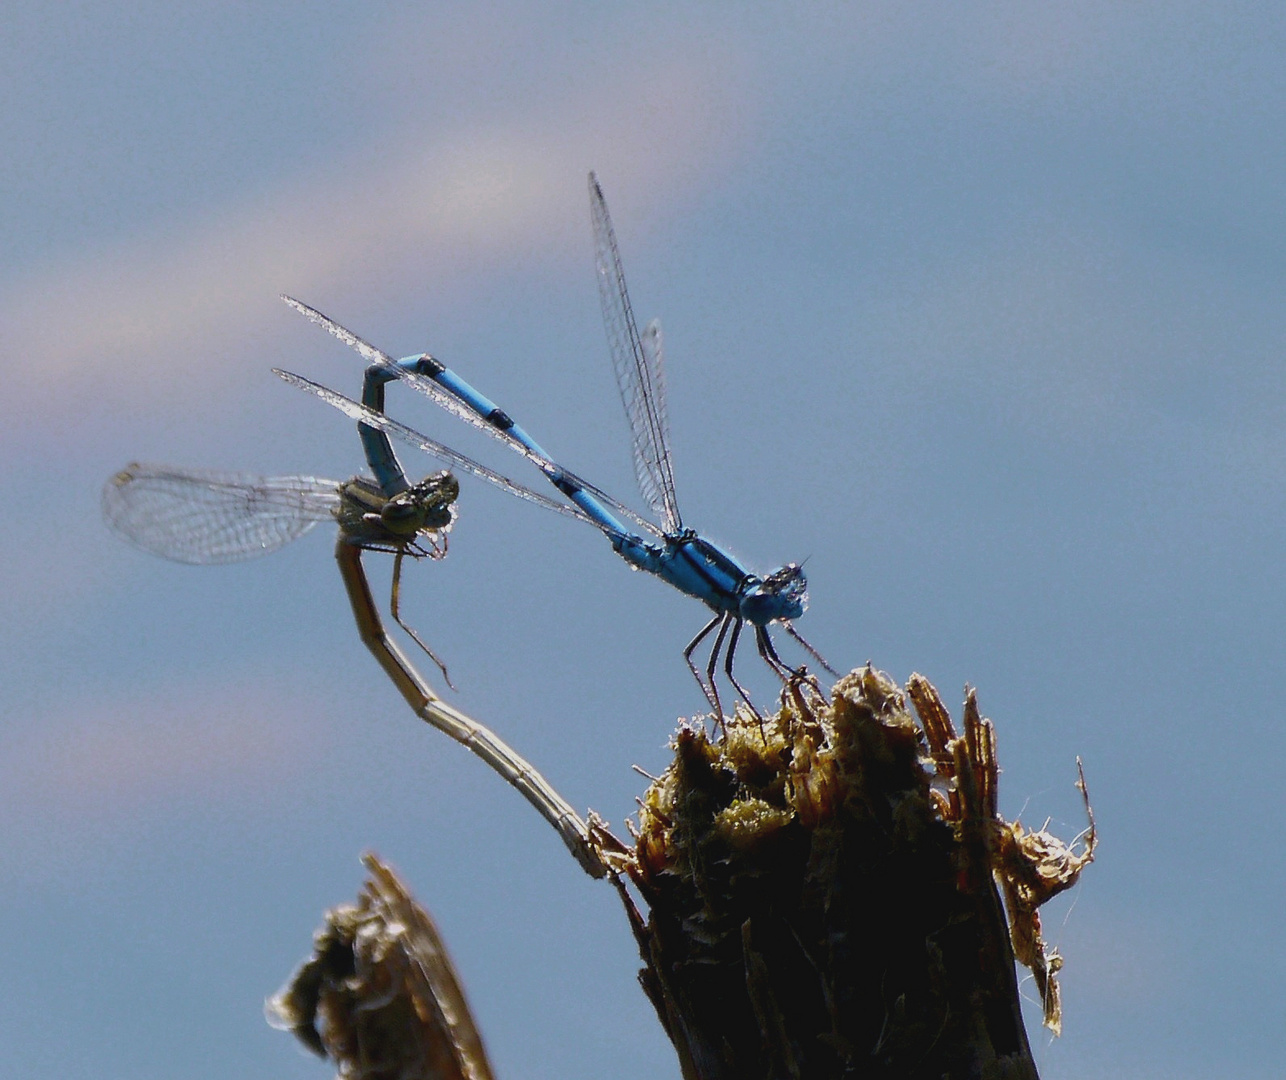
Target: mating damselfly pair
x: 199, y: 517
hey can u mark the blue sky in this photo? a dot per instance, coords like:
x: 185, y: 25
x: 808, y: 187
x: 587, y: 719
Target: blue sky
x: 975, y: 306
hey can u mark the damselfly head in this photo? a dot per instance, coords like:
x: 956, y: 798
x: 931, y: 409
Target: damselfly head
x: 783, y: 594
x: 423, y: 507
x: 437, y: 490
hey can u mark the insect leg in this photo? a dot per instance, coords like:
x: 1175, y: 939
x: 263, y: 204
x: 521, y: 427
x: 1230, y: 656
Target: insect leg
x: 727, y: 667
x: 807, y: 647
x: 394, y: 604
x: 711, y: 696
x: 714, y: 660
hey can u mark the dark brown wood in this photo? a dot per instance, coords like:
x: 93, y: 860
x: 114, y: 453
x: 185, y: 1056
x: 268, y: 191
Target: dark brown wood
x: 380, y: 996
x: 821, y: 897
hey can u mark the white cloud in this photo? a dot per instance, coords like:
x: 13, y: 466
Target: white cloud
x: 111, y: 320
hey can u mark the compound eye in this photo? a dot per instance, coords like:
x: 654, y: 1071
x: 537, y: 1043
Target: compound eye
x: 789, y: 578
x: 440, y: 518
x: 436, y: 491
x: 398, y: 511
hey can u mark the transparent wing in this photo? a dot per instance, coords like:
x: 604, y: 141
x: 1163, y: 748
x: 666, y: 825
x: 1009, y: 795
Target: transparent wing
x: 199, y: 516
x: 640, y: 374
x: 459, y: 409
x: 425, y: 386
x: 454, y: 458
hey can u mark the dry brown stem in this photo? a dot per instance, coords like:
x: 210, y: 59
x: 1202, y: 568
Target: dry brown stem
x: 822, y: 898
x: 380, y: 996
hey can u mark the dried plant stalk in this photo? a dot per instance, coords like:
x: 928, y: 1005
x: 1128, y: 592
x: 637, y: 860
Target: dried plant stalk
x: 583, y: 839
x: 380, y: 995
x: 822, y: 896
